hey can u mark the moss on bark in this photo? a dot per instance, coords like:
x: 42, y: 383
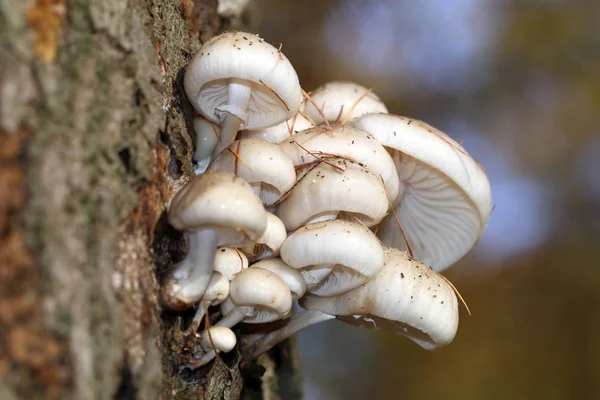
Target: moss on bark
x: 94, y: 141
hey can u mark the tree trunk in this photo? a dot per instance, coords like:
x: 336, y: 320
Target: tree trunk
x: 94, y: 141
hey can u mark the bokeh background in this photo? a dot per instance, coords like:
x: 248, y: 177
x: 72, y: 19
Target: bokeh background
x: 519, y: 82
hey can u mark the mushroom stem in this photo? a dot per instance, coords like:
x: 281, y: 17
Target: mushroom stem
x: 263, y: 343
x: 233, y: 318
x: 233, y: 114
x: 193, y: 274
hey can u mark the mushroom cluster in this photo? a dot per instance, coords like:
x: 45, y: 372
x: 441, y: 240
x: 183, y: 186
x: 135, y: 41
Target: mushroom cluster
x: 310, y: 207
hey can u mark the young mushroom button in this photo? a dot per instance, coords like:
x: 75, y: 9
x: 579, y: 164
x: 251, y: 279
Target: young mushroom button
x: 214, y: 340
x: 333, y: 256
x: 262, y: 164
x: 341, y: 101
x: 216, y: 292
x: 405, y: 297
x: 445, y: 198
x: 213, y: 209
x: 290, y: 276
x: 230, y: 261
x: 269, y: 243
x: 240, y: 81
x: 255, y: 296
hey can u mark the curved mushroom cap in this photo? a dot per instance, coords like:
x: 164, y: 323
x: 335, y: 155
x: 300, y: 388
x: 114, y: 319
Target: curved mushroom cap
x: 229, y: 261
x: 325, y: 189
x: 348, y: 142
x: 405, y: 297
x: 276, y: 94
x: 207, y: 136
x: 222, y: 201
x: 291, y: 276
x: 337, y: 99
x: 220, y: 338
x: 217, y: 290
x: 279, y: 132
x: 262, y: 164
x: 447, y: 199
x: 270, y: 242
x: 333, y: 256
x: 258, y: 294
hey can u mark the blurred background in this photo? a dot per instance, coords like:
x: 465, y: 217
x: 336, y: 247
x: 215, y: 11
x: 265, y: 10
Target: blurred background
x: 519, y: 82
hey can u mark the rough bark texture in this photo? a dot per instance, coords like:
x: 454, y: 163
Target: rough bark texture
x: 94, y: 141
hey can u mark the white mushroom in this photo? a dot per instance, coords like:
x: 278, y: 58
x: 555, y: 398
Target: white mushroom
x: 216, y: 292
x: 333, y: 256
x: 207, y: 136
x: 405, y: 297
x: 240, y: 81
x: 337, y: 99
x: 290, y: 276
x: 255, y: 296
x: 262, y: 164
x: 212, y: 341
x: 445, y: 199
x: 335, y: 188
x: 215, y: 208
x: 270, y: 242
x: 280, y: 132
x: 348, y: 142
x: 230, y: 261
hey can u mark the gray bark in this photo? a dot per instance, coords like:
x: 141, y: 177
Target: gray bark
x: 94, y: 140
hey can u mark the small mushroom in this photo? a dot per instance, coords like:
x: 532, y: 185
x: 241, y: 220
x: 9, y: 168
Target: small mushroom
x: 348, y: 142
x: 290, y: 276
x: 445, y: 198
x: 337, y: 99
x: 334, y: 188
x: 280, y: 132
x: 207, y: 136
x: 255, y: 296
x: 240, y: 81
x: 216, y: 293
x: 230, y: 261
x: 212, y: 341
x: 333, y: 256
x: 260, y: 163
x: 405, y: 297
x: 269, y: 243
x: 213, y: 209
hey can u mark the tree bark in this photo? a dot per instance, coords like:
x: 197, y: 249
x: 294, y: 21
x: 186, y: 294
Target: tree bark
x: 94, y: 141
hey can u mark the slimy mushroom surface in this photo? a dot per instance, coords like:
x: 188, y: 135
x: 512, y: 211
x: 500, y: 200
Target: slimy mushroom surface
x: 445, y: 198
x: 240, y: 81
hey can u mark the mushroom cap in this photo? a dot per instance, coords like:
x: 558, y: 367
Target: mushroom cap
x: 260, y: 163
x: 447, y: 199
x: 222, y: 337
x: 229, y: 261
x: 222, y: 201
x: 348, y: 142
x: 258, y: 294
x: 336, y: 99
x: 217, y: 290
x: 324, y: 189
x: 291, y: 276
x: 276, y: 94
x: 405, y: 297
x: 347, y: 253
x: 279, y: 132
x: 273, y: 238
